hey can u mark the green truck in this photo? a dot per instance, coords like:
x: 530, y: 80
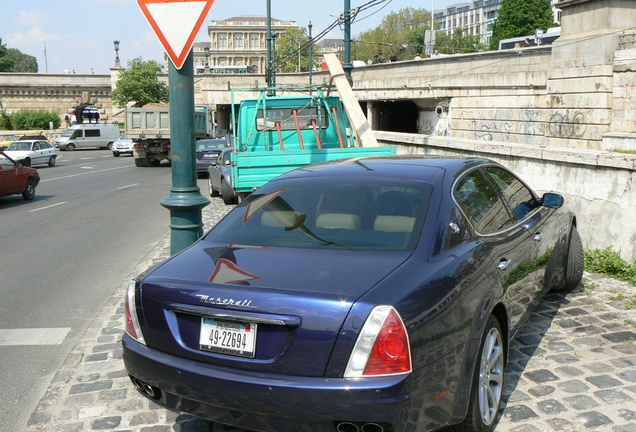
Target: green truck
x: 276, y: 134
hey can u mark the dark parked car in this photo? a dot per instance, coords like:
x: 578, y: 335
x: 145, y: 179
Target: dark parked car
x: 220, y: 177
x: 370, y: 294
x: 16, y: 179
x: 207, y: 151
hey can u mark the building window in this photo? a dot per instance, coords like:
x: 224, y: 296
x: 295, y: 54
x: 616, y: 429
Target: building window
x: 222, y: 41
x: 238, y: 42
x: 254, y: 42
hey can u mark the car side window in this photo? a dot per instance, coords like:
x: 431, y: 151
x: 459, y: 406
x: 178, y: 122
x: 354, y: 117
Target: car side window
x: 36, y: 146
x: 481, y: 203
x: 518, y: 197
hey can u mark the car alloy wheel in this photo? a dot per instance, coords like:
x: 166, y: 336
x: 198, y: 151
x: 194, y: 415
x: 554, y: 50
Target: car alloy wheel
x: 491, y: 370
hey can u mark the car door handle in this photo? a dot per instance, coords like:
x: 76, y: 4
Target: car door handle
x: 503, y: 264
x: 538, y: 237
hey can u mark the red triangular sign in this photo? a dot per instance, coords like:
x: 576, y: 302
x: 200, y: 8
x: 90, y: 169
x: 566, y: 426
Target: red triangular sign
x: 176, y: 23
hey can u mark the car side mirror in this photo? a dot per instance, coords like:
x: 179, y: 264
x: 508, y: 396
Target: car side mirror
x: 552, y: 200
x: 228, y: 162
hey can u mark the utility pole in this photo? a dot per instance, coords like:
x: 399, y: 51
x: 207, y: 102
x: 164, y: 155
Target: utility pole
x: 347, y: 38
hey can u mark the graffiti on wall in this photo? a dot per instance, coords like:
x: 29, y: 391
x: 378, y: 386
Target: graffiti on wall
x: 566, y: 125
x: 503, y: 124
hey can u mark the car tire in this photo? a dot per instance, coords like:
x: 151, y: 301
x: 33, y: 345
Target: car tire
x: 52, y: 161
x: 213, y: 192
x: 70, y: 147
x: 115, y: 154
x: 574, y: 263
x: 29, y: 191
x: 26, y: 162
x: 226, y: 194
x: 488, y: 382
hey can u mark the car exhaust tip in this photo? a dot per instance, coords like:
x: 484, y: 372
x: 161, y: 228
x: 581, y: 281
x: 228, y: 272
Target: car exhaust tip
x: 372, y: 427
x: 347, y: 427
x: 146, y: 389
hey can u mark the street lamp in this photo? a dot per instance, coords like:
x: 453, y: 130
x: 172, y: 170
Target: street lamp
x: 291, y: 51
x: 116, y: 43
x: 311, y: 53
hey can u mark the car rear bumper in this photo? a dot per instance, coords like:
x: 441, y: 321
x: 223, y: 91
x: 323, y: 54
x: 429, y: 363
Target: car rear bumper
x: 269, y: 402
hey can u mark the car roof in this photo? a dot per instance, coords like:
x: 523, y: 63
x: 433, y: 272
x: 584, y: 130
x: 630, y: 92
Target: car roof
x: 30, y: 140
x: 407, y: 167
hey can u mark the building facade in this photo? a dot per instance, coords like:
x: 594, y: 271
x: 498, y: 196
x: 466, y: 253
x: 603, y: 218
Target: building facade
x: 476, y: 18
x: 237, y: 44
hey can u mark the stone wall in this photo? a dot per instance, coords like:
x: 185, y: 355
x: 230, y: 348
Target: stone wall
x: 599, y: 186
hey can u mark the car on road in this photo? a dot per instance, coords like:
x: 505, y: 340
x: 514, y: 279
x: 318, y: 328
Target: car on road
x: 21, y: 137
x: 220, y: 177
x: 123, y: 146
x: 207, y: 151
x: 363, y: 294
x: 33, y: 152
x: 16, y: 179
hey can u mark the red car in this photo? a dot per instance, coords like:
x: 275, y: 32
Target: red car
x: 16, y: 179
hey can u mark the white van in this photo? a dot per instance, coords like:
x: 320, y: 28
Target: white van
x: 88, y: 135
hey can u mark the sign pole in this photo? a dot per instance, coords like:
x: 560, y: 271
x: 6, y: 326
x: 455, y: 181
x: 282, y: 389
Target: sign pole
x: 185, y: 201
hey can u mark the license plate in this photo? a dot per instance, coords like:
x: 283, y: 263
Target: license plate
x: 228, y: 337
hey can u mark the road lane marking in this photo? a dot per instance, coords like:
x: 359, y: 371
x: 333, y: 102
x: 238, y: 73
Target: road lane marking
x: 49, y: 206
x: 129, y: 186
x: 33, y: 336
x: 85, y: 173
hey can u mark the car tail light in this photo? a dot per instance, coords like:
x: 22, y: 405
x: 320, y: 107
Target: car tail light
x: 382, y: 347
x: 132, y: 322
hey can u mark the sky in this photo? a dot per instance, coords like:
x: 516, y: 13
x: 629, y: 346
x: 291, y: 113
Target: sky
x: 79, y: 36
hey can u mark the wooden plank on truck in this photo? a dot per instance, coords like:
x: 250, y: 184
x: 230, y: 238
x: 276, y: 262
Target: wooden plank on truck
x: 358, y: 121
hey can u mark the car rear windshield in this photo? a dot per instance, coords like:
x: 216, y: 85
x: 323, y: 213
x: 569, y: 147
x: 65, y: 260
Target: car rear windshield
x: 351, y: 213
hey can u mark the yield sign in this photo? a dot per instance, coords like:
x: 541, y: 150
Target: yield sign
x: 176, y: 23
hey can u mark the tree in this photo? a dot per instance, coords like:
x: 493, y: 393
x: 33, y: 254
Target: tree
x: 459, y: 42
x: 400, y: 33
x: 22, y: 62
x: 287, y: 46
x: 521, y: 19
x: 140, y: 84
x: 5, y: 61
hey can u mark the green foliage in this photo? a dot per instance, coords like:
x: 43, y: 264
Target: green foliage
x: 5, y: 62
x: 28, y: 119
x: 459, y: 42
x: 400, y: 33
x: 609, y: 262
x: 140, y: 84
x: 521, y: 18
x: 287, y: 45
x: 22, y: 62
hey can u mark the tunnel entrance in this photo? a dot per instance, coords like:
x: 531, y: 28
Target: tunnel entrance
x: 396, y: 116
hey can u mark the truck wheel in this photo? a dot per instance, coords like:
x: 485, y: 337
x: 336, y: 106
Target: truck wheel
x: 142, y: 162
x: 29, y: 191
x: 155, y: 162
x: 70, y: 147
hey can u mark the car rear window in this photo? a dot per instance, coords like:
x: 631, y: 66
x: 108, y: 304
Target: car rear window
x: 350, y: 213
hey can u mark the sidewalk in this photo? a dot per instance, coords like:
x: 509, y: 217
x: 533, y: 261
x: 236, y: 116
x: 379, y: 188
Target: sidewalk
x: 572, y: 368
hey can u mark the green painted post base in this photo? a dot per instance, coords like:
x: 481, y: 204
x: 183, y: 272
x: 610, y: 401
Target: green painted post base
x: 186, y: 221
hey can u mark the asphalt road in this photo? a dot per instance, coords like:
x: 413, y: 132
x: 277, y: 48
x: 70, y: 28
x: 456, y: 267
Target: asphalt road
x: 62, y: 256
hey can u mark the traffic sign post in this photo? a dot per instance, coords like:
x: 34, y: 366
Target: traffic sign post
x: 176, y: 24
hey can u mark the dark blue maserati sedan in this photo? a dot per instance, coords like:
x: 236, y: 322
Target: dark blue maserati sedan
x: 367, y: 294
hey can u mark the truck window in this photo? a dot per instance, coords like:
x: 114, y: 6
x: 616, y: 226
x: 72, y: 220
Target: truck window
x: 91, y: 133
x: 286, y: 118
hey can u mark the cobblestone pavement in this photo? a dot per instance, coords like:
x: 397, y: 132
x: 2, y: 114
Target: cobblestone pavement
x: 572, y: 368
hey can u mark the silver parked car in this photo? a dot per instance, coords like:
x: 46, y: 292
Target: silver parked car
x: 220, y: 177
